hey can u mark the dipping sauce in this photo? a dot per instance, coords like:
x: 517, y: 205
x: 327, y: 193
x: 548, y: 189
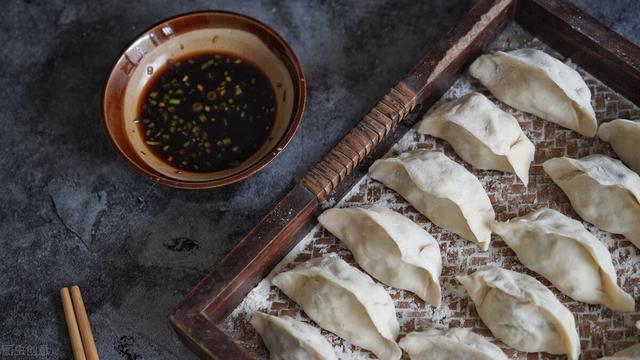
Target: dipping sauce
x: 207, y: 111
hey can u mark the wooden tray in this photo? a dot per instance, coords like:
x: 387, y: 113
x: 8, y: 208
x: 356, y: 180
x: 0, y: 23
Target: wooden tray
x: 600, y: 53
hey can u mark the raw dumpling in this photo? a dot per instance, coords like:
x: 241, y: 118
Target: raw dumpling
x: 535, y: 82
x: 345, y: 301
x: 522, y: 312
x: 390, y: 247
x: 630, y: 353
x: 482, y: 134
x: 543, y: 241
x: 441, y: 189
x: 602, y: 190
x: 624, y: 137
x: 289, y: 339
x: 456, y: 344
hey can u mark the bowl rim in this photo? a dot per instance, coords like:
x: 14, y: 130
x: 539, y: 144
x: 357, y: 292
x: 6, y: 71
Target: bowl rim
x: 294, y: 123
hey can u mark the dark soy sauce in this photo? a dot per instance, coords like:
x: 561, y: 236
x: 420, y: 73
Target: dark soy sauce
x: 207, y: 112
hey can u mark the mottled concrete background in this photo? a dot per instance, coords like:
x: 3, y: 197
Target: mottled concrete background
x: 73, y: 213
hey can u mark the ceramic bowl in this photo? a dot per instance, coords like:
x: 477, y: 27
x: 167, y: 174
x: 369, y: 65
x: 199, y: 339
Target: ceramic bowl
x: 195, y: 33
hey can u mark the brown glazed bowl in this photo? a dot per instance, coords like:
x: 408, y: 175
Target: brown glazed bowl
x: 191, y: 33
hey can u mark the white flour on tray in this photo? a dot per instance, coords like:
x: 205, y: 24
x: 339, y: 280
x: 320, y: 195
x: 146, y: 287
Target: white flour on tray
x: 602, y: 331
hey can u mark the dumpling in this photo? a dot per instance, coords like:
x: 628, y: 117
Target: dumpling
x: 543, y: 240
x: 289, y: 339
x: 535, y: 82
x: 624, y: 136
x: 482, y: 134
x: 522, y: 312
x: 442, y: 190
x: 456, y: 344
x: 599, y: 187
x: 630, y: 353
x: 345, y: 301
x: 390, y: 247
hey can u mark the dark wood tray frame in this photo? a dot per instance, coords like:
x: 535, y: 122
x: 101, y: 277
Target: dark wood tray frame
x: 605, y: 54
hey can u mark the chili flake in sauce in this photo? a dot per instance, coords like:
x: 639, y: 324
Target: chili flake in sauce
x: 207, y: 112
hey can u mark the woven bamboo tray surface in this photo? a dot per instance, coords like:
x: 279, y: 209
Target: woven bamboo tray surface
x: 602, y: 331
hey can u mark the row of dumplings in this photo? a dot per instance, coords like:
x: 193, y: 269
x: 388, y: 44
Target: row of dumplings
x: 517, y: 308
x: 453, y: 198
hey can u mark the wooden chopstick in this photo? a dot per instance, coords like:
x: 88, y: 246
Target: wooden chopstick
x: 82, y: 343
x: 72, y: 325
x: 89, y: 345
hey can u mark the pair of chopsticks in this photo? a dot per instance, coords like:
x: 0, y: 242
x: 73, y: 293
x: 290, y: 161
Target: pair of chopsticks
x: 84, y: 348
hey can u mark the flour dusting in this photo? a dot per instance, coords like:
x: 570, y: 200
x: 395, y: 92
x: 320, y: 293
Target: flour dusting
x: 602, y: 332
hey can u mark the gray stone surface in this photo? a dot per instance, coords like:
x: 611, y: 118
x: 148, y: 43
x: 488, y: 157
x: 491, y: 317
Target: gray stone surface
x: 73, y: 213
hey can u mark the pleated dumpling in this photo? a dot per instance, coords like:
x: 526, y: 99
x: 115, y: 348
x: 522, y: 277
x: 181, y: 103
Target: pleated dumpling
x: 624, y: 137
x: 442, y: 190
x: 455, y: 344
x: 535, y: 82
x: 390, y: 247
x: 482, y: 134
x: 602, y: 190
x: 545, y: 239
x: 522, y: 312
x: 289, y: 339
x: 345, y: 301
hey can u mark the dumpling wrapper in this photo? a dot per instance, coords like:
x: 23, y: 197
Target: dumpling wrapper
x: 602, y: 191
x: 624, y: 137
x: 482, y: 134
x: 289, y: 339
x: 522, y: 312
x: 535, y: 82
x: 545, y: 239
x: 442, y: 190
x: 345, y: 301
x: 390, y: 247
x: 455, y: 344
